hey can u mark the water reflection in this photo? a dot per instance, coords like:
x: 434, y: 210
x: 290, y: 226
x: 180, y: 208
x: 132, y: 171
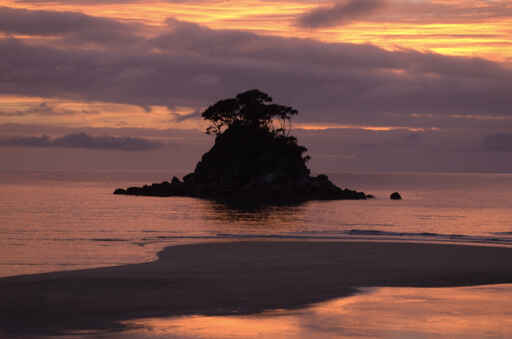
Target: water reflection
x: 253, y: 213
x: 467, y: 312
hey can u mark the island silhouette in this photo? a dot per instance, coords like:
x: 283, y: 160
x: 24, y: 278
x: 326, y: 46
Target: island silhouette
x: 254, y: 159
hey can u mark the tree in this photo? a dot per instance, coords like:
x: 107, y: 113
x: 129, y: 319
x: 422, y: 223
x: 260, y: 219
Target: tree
x: 252, y: 108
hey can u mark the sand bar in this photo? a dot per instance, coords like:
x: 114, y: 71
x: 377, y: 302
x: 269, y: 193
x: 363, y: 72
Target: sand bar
x: 236, y: 277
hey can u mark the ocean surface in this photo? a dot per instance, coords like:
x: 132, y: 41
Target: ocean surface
x: 52, y: 221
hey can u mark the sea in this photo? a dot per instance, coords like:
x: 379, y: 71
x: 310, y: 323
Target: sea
x: 54, y: 221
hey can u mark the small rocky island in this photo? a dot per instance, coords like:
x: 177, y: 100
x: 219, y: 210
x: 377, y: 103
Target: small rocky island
x: 254, y: 159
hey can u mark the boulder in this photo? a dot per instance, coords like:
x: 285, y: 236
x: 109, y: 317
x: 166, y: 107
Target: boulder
x: 120, y: 191
x: 395, y: 196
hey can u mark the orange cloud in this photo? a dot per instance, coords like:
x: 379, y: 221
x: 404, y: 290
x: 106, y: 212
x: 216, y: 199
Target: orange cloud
x: 477, y: 29
x: 453, y: 27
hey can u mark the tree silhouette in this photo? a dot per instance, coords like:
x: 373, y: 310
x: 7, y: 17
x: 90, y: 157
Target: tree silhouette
x: 252, y: 108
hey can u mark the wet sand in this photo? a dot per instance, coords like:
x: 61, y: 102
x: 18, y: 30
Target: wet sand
x: 236, y: 277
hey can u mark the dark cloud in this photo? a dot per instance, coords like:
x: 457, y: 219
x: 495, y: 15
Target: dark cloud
x: 73, y: 26
x: 23, y: 21
x: 339, y: 14
x: 411, y: 12
x: 43, y: 109
x: 82, y: 140
x: 430, y: 12
x: 179, y: 152
x: 183, y: 117
x: 501, y: 142
x: 193, y: 66
x: 332, y: 150
x: 356, y: 150
x: 169, y: 137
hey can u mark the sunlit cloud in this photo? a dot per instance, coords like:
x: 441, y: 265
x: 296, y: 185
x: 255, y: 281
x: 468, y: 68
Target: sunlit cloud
x: 76, y: 113
x: 323, y: 127
x: 165, y: 79
x: 341, y: 13
x: 387, y: 27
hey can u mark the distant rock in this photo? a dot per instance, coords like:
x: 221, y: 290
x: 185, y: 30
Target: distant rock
x: 395, y: 196
x: 251, y: 160
x: 370, y: 196
x: 120, y: 191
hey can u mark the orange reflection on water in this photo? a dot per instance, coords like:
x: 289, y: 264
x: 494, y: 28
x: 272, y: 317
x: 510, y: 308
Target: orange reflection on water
x: 420, y: 312
x: 223, y: 327
x: 463, y: 312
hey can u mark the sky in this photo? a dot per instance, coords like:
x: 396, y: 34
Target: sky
x: 380, y: 85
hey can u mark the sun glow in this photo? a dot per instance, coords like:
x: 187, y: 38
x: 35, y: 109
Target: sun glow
x: 320, y: 127
x: 70, y: 113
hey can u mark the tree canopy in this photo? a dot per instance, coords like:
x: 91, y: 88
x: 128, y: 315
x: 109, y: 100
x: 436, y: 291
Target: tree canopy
x: 252, y: 108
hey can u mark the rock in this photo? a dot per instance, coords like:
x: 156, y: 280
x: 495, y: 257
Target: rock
x: 120, y: 191
x: 395, y: 196
x: 133, y: 190
x: 322, y: 177
x: 188, y: 178
x: 370, y: 196
x: 253, y: 165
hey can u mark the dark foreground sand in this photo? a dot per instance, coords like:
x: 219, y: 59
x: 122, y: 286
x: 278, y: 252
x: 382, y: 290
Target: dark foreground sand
x: 222, y: 278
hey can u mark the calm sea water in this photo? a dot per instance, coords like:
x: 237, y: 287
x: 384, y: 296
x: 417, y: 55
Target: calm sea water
x: 53, y: 221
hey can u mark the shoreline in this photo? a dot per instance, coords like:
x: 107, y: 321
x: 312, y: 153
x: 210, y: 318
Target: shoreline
x: 239, y: 277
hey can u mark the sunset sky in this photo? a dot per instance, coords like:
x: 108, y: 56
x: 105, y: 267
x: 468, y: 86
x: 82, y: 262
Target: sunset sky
x: 380, y: 85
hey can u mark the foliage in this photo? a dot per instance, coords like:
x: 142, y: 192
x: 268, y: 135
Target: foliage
x: 242, y: 155
x: 252, y: 108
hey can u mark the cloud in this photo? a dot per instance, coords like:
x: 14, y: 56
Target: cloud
x: 188, y: 65
x: 183, y: 117
x: 446, y: 12
x: 179, y: 152
x: 339, y: 14
x: 394, y: 11
x: 43, y: 109
x: 103, y: 2
x: 349, y: 149
x: 501, y: 142
x: 72, y: 26
x: 404, y: 11
x: 82, y: 140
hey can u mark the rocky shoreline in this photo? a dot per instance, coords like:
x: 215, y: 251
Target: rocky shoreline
x: 311, y: 188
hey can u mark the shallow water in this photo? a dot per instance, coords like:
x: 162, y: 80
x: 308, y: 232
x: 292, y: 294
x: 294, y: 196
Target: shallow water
x: 52, y: 221
x: 462, y: 312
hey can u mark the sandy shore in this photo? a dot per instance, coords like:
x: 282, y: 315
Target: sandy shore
x: 222, y: 278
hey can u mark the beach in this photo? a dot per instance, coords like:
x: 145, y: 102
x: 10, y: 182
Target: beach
x: 242, y: 277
